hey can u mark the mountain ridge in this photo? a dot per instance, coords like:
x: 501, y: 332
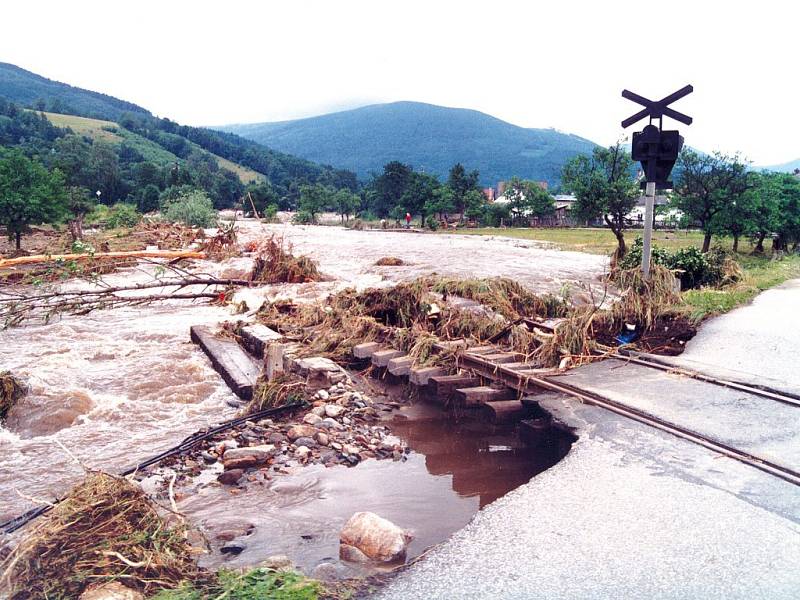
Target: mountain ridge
x: 426, y: 136
x: 27, y: 88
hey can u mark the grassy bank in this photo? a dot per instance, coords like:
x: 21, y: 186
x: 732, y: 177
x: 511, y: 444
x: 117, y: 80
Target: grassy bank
x: 760, y: 272
x: 591, y: 240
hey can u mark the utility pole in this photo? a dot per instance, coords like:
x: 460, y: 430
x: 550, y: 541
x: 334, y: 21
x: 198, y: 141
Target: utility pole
x: 657, y: 150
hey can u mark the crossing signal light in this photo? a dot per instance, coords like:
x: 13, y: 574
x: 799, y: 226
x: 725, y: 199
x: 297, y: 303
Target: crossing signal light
x: 657, y: 151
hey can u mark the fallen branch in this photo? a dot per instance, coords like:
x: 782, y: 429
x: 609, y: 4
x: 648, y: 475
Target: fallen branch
x: 178, y: 283
x: 43, y: 258
x: 14, y: 313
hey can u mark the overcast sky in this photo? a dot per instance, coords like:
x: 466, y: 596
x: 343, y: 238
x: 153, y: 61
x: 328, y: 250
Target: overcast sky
x: 555, y: 64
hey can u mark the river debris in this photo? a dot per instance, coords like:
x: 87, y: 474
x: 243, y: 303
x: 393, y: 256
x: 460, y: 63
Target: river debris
x: 16, y: 307
x: 412, y: 316
x: 11, y: 390
x: 389, y: 261
x: 275, y: 263
x: 106, y: 529
x: 642, y: 301
x: 54, y: 258
x: 223, y: 244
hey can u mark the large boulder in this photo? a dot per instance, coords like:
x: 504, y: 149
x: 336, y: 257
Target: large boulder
x: 247, y: 457
x: 374, y: 537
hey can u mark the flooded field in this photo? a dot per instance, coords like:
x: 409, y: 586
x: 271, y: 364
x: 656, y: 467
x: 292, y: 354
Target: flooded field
x: 117, y: 386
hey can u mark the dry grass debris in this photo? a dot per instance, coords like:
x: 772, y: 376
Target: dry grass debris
x: 223, y: 244
x: 11, y: 390
x: 389, y: 261
x: 643, y: 301
x: 275, y: 263
x: 106, y: 529
x: 284, y: 388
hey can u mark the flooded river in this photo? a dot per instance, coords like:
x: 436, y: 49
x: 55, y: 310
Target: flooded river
x: 118, y: 386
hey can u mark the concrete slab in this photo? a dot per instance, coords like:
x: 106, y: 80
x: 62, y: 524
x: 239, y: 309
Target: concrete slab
x: 235, y: 366
x: 257, y: 337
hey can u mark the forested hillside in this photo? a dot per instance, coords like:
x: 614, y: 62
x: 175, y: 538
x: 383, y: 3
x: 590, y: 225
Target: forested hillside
x: 32, y: 90
x: 427, y: 137
x: 108, y: 145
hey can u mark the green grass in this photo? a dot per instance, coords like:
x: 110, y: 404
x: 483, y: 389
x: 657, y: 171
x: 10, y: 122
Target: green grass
x: 591, y: 240
x: 93, y: 128
x: 256, y: 584
x: 760, y: 273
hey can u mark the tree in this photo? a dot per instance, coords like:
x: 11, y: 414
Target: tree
x: 79, y: 203
x: 515, y: 195
x: 29, y: 194
x: 148, y: 200
x: 262, y: 195
x: 707, y: 185
x: 389, y: 187
x: 314, y: 199
x: 604, y: 186
x: 474, y: 205
x: 346, y: 203
x: 441, y: 203
x: 787, y: 228
x: 461, y: 183
x: 527, y: 199
x: 420, y: 191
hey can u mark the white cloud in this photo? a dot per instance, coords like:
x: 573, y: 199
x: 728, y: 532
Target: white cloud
x: 536, y: 64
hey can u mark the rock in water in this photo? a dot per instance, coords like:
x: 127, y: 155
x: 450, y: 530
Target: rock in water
x: 230, y: 477
x: 376, y: 538
x: 113, y: 590
x: 279, y: 562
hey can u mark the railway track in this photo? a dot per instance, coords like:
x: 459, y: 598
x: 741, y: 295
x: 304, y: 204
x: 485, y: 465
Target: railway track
x: 526, y: 378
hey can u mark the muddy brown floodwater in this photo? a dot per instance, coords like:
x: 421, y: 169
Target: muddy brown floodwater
x: 453, y: 470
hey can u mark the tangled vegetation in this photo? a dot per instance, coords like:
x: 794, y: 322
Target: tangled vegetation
x: 275, y: 263
x: 414, y: 317
x: 282, y: 389
x: 106, y: 529
x: 11, y: 390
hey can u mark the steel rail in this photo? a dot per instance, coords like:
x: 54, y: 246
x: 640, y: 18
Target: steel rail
x: 638, y: 358
x: 524, y: 382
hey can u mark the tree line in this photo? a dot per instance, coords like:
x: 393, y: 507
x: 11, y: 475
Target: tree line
x: 716, y: 193
x: 399, y: 190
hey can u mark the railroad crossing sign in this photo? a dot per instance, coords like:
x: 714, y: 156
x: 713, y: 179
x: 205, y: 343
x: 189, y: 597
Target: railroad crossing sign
x: 656, y: 110
x: 657, y: 150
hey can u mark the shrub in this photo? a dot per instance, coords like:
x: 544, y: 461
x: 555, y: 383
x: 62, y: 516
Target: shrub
x: 194, y: 209
x: 433, y: 224
x: 695, y: 268
x: 123, y: 215
x: 270, y: 212
x: 303, y: 217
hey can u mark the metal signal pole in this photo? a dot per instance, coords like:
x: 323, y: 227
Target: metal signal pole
x: 649, y: 207
x: 657, y: 150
